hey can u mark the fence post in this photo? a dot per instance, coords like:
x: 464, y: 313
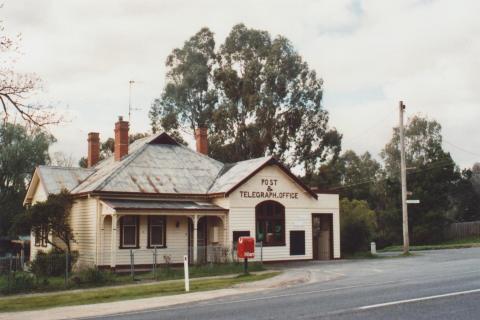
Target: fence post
x: 132, y: 262
x: 155, y: 262
x: 22, y: 259
x: 261, y: 252
x: 10, y: 273
x: 66, y: 268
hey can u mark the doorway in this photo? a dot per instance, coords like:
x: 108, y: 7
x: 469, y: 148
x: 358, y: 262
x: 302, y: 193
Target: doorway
x: 322, y: 236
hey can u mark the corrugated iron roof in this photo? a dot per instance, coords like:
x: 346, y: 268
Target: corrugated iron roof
x: 54, y: 179
x: 119, y: 204
x: 234, y: 173
x: 155, y: 168
x: 154, y: 165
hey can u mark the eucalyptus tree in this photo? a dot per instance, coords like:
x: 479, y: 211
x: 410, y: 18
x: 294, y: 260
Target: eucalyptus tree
x: 432, y: 178
x: 255, y: 94
x: 21, y: 150
x: 189, y: 95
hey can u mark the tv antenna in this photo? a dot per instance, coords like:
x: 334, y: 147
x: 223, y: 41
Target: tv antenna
x: 130, y: 108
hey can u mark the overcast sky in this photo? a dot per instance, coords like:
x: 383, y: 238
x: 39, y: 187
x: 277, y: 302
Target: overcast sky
x: 371, y: 54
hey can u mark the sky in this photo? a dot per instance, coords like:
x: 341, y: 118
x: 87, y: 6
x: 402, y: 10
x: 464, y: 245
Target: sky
x: 370, y: 54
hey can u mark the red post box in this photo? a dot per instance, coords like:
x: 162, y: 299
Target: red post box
x: 246, y: 248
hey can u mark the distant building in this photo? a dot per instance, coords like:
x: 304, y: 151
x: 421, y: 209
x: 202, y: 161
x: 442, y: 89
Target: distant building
x: 158, y: 193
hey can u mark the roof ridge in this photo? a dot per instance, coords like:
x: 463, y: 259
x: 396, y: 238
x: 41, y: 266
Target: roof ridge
x: 199, y: 153
x: 206, y: 191
x: 64, y: 168
x: 127, y: 160
x: 145, y: 140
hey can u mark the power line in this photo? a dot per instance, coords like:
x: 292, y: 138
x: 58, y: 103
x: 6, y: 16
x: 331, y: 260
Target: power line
x: 461, y: 148
x: 362, y: 133
x: 431, y: 166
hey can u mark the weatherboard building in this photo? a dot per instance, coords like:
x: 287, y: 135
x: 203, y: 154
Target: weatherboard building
x: 156, y: 194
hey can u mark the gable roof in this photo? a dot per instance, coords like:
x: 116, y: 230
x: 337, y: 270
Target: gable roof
x: 233, y: 174
x: 158, y: 165
x: 53, y: 179
x: 238, y: 173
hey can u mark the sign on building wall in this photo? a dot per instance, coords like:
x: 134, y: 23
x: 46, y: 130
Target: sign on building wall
x: 269, y: 191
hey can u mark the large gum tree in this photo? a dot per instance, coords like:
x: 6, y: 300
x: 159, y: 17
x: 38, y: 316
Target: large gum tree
x: 254, y: 93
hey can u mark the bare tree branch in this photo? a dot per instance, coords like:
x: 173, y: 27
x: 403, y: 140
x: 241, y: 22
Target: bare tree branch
x: 18, y: 89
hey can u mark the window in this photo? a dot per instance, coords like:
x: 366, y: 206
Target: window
x: 297, y: 243
x: 129, y: 232
x: 41, y: 237
x: 156, y: 231
x: 270, y: 223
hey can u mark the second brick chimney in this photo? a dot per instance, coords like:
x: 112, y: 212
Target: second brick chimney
x: 202, y: 140
x: 93, y: 149
x: 121, y: 139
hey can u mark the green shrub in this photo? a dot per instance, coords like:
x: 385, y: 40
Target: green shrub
x: 18, y: 282
x: 53, y: 263
x: 94, y: 276
x: 357, y: 224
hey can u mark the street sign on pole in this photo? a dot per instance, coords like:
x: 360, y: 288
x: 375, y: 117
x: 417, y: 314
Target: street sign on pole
x: 411, y: 201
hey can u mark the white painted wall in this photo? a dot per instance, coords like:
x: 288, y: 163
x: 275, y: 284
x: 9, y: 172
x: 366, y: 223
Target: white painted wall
x: 39, y: 194
x: 177, y: 243
x: 298, y: 212
x: 83, y: 221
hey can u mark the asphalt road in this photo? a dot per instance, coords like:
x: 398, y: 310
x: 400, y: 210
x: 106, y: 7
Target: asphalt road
x: 432, y: 285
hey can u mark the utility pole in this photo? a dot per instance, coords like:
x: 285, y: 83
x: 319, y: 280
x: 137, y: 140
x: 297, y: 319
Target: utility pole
x: 403, y: 174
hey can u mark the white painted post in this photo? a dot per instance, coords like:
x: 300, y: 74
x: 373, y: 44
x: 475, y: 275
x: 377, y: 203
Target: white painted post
x: 113, y: 244
x: 373, y: 248
x: 195, y: 239
x: 185, y: 268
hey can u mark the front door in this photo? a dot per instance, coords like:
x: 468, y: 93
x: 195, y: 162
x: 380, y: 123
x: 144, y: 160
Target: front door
x: 322, y: 234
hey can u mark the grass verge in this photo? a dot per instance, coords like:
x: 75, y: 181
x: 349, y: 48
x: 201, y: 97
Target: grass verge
x: 36, y: 302
x: 91, y: 278
x: 452, y: 244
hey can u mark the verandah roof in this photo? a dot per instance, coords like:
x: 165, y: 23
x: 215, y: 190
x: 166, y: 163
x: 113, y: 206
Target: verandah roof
x: 119, y: 204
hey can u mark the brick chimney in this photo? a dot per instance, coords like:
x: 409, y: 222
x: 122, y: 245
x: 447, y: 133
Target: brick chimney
x: 121, y: 138
x: 201, y: 139
x: 93, y: 148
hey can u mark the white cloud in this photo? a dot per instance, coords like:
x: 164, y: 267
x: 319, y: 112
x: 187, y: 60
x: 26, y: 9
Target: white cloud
x: 370, y: 53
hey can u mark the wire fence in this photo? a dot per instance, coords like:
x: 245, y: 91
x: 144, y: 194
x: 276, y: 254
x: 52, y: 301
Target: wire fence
x: 209, y: 254
x: 52, y: 268
x: 10, y: 264
x: 17, y: 275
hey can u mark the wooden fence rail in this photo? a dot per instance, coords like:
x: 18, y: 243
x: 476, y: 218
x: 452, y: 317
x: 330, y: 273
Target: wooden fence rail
x: 462, y: 230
